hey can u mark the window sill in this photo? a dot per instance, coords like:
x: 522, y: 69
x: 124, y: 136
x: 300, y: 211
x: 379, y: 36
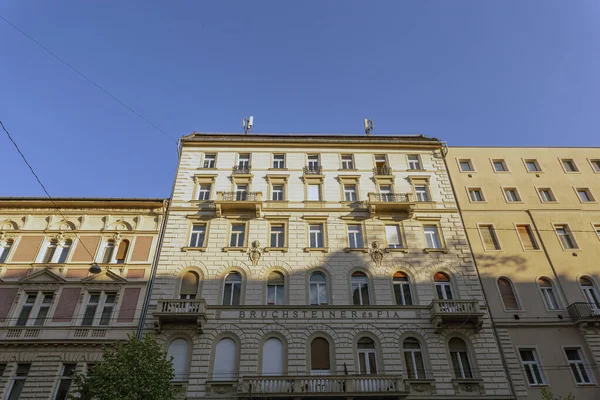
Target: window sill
x: 348, y: 169
x: 276, y: 249
x: 277, y: 201
x: 396, y: 250
x: 356, y: 250
x: 193, y: 248
x: 435, y: 250
x: 316, y: 249
x: 469, y: 380
x: 240, y: 249
x: 207, y: 169
x: 416, y: 170
x: 277, y: 169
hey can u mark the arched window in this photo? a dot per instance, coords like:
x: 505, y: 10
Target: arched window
x: 64, y: 252
x: 5, y: 250
x: 178, y: 349
x: 275, y: 288
x: 232, y: 289
x: 460, y: 359
x: 547, y: 292
x: 318, y: 289
x: 367, y: 356
x: 590, y: 292
x: 443, y: 287
x: 225, y: 360
x: 122, y: 251
x: 319, y: 357
x: 360, y: 288
x: 50, y: 250
x: 402, y: 291
x: 109, y: 250
x: 413, y: 358
x: 189, y: 285
x: 508, y: 294
x: 272, y: 357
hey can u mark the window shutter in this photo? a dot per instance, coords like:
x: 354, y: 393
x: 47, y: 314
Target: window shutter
x: 128, y: 304
x: 508, y: 296
x: 66, y: 305
x: 141, y: 249
x: 189, y: 283
x: 319, y: 354
x: 28, y: 248
x: 526, y: 237
x: 122, y: 251
x: 90, y: 243
x: 489, y: 238
x: 7, y: 297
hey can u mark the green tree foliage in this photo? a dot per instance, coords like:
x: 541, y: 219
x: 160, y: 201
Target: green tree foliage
x: 548, y: 395
x: 131, y: 370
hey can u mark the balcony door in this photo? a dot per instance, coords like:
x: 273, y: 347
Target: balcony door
x: 367, y: 357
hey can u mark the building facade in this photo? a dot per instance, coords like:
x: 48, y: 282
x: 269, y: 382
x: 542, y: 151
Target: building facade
x: 320, y: 266
x: 55, y: 315
x: 533, y: 223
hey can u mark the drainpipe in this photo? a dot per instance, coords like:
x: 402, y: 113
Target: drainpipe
x: 502, y: 357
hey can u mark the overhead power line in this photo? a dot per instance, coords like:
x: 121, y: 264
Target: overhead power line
x: 88, y: 79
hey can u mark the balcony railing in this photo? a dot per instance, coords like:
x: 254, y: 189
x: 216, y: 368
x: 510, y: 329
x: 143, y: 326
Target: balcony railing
x: 377, y: 386
x: 383, y: 170
x: 180, y: 311
x: 241, y: 169
x: 55, y: 333
x: 584, y: 311
x: 245, y: 202
x: 452, y: 312
x: 240, y: 196
x: 385, y: 203
x: 313, y: 170
x: 390, y: 197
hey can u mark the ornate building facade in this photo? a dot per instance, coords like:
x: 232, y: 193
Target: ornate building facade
x: 55, y: 315
x: 320, y: 266
x: 533, y: 222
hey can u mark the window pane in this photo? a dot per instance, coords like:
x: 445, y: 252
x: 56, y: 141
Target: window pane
x: 313, y: 192
x: 392, y: 233
x: 227, y: 294
x: 178, y: 349
x: 319, y: 354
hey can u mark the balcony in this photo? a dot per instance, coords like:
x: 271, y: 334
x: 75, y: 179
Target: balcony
x: 241, y: 169
x: 450, y: 313
x: 332, y: 387
x: 51, y: 333
x: 180, y: 311
x: 383, y: 170
x: 388, y: 203
x: 313, y: 170
x: 238, y: 202
x: 584, y: 312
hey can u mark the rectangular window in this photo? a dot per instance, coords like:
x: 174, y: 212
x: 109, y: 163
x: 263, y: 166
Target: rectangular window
x: 546, y: 195
x: 488, y: 235
x: 313, y: 162
x: 475, y: 195
x: 578, y: 365
x: 347, y: 161
x: 393, y: 236
x: 466, y: 165
x: 204, y: 191
x: 277, y: 192
x: 421, y: 193
x: 315, y: 233
x: 241, y: 192
x: 350, y: 193
x: 313, y: 192
x: 244, y: 161
x: 5, y: 250
x: 386, y: 192
x: 355, y: 239
x: 198, y: 235
x: 99, y: 309
x: 107, y: 309
x: 532, y: 367
x: 432, y: 238
x: 277, y: 235
x: 527, y: 238
x: 414, y: 162
x: 565, y: 236
x: 499, y: 166
x: 597, y: 229
x: 43, y: 309
x: 512, y: 195
x: 209, y: 161
x: 64, y: 384
x: 569, y: 165
x: 19, y: 381
x: 238, y: 234
x: 585, y: 196
x: 26, y: 309
x: 90, y: 309
x: 278, y: 161
x: 532, y: 165
x: 596, y: 165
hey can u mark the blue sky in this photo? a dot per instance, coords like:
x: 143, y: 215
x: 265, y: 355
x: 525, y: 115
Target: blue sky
x: 468, y: 72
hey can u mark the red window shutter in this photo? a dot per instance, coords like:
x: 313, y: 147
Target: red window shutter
x: 85, y: 242
x: 27, y: 249
x: 7, y: 297
x: 128, y: 304
x: 66, y: 305
x: 141, y: 248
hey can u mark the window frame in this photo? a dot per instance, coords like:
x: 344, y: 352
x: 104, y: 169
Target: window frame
x: 514, y: 292
x: 448, y: 285
x: 569, y: 234
x: 537, y: 165
x: 231, y: 232
x: 361, y: 237
x: 400, y: 238
x: 419, y: 162
x: 402, y: 285
x: 583, y: 364
x: 284, y: 234
x: 33, y: 316
x: 16, y: 378
x: 64, y: 378
x: 204, y: 161
x: 493, y: 161
x: 323, y: 225
x: 506, y: 189
x: 593, y: 163
x: 318, y: 285
x: 353, y: 282
x: 588, y: 194
x: 469, y: 356
x: 539, y: 191
x: 596, y: 229
x: 543, y: 290
x: 239, y: 161
x: 473, y: 189
x: 191, y: 233
x: 346, y: 191
x: 320, y: 191
x: 100, y: 306
x: 186, y: 372
x: 564, y: 161
x: 273, y: 192
x: 275, y: 162
x: 532, y: 235
x: 366, y: 352
x: 468, y: 161
x: 233, y: 284
x: 537, y: 362
x: 494, y: 235
x: 352, y: 162
x: 412, y: 352
x: 283, y: 286
x: 440, y: 239
x: 200, y: 192
x: 426, y: 192
x: 5, y: 250
x: 309, y: 161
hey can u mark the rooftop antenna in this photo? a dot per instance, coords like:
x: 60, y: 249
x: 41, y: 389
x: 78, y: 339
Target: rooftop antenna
x: 368, y: 126
x: 247, y: 124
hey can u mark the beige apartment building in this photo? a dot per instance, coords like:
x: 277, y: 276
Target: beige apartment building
x: 319, y: 266
x: 533, y: 222
x: 55, y: 314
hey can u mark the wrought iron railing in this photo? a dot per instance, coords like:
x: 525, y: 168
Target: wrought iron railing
x: 312, y: 170
x: 191, y: 306
x: 389, y: 197
x: 454, y: 307
x: 282, y: 385
x: 239, y: 196
x: 581, y: 310
x: 384, y: 170
x: 241, y: 169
